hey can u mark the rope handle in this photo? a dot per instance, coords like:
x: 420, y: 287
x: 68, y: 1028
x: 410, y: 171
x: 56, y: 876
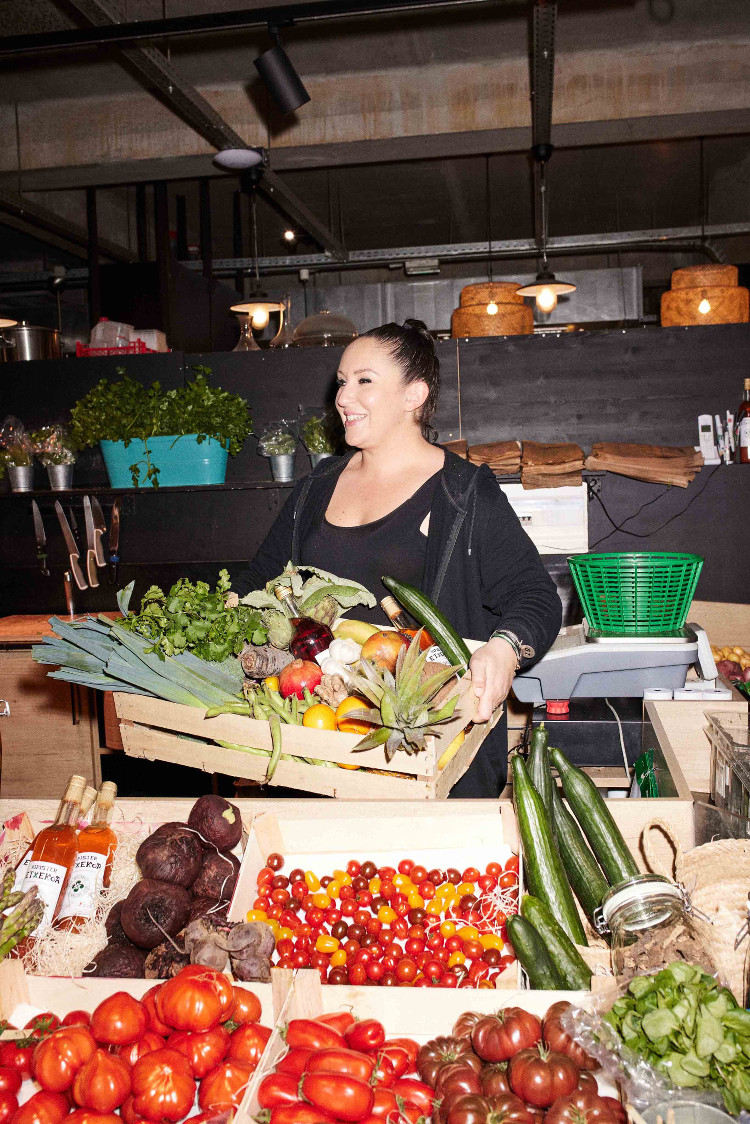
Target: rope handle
x: 648, y: 851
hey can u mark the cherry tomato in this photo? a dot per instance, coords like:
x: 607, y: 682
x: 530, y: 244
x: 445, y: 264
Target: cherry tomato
x: 8, y: 1105
x: 349, y: 1098
x: 119, y: 1020
x: 224, y: 1087
x: 148, y: 1042
x: 277, y: 1088
x: 197, y: 998
x: 507, y: 879
x: 204, y: 1049
x: 10, y: 1080
x: 247, y: 1007
x: 76, y: 1018
x: 42, y: 1108
x: 102, y: 1083
x: 366, y: 1035
x: 42, y: 1025
x: 15, y: 1056
x: 247, y: 1044
x: 58, y: 1058
x: 163, y: 1086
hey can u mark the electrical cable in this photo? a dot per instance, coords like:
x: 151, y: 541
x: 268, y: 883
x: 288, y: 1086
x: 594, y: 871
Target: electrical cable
x: 654, y: 530
x: 622, y: 738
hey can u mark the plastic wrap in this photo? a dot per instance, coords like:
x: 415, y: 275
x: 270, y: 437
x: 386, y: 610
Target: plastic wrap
x: 53, y: 445
x: 16, y: 446
x: 277, y: 438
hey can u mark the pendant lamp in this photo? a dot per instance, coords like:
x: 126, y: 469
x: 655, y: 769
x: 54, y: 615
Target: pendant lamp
x: 258, y: 307
x: 546, y: 288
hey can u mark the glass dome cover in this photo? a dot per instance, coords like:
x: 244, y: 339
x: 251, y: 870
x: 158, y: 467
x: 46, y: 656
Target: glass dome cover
x: 324, y: 329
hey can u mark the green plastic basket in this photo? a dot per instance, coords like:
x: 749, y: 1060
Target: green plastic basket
x: 635, y: 592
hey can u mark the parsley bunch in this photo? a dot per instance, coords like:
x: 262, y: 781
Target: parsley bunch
x: 191, y: 618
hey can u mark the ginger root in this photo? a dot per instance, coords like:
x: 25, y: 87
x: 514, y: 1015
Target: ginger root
x: 332, y: 690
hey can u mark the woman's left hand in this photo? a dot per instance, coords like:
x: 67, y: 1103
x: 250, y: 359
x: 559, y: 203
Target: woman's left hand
x: 492, y: 669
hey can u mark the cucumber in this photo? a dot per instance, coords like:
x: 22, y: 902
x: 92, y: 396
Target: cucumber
x: 568, y: 961
x: 537, y: 763
x: 543, y: 867
x: 588, y: 882
x: 439, y: 627
x: 533, y: 956
x: 609, y: 847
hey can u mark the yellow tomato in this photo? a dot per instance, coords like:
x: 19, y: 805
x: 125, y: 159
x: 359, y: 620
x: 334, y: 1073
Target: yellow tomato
x: 352, y: 725
x: 491, y: 940
x: 434, y: 906
x: 311, y: 880
x: 272, y: 682
x: 319, y: 717
x: 338, y: 958
x: 321, y: 900
x: 256, y: 915
x: 448, y: 928
x: 386, y: 914
x: 456, y: 958
x: 468, y: 933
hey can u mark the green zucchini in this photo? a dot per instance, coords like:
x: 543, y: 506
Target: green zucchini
x: 439, y: 627
x: 568, y: 961
x: 543, y: 867
x: 606, y: 841
x: 537, y: 763
x: 588, y: 882
x: 533, y: 956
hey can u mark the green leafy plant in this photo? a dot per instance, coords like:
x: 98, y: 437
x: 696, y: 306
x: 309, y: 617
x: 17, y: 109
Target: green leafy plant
x: 277, y: 439
x: 53, y: 444
x: 315, y: 435
x: 127, y: 410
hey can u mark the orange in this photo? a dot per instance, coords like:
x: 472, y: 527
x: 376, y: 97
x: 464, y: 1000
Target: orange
x: 319, y: 717
x: 352, y: 725
x: 272, y: 682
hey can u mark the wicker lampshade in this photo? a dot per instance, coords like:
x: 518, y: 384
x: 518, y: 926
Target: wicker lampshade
x: 513, y: 317
x: 705, y: 294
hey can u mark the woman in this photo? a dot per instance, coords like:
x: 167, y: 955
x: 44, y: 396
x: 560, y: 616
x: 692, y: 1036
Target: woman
x: 398, y: 504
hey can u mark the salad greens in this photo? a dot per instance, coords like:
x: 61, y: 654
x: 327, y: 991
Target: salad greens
x: 192, y: 618
x: 689, y: 1028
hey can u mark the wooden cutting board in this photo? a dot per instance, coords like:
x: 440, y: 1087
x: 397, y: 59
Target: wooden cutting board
x: 28, y: 629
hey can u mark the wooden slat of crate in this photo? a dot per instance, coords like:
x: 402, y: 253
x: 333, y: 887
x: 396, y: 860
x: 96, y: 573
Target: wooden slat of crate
x: 150, y: 728
x: 680, y: 724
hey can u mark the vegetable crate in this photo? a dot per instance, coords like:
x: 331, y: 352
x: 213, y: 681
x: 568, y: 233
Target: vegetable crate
x: 241, y: 747
x: 729, y: 735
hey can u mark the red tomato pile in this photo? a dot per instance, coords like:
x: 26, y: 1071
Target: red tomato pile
x: 405, y: 926
x: 138, y: 1061
x: 514, y: 1067
x: 339, y: 1069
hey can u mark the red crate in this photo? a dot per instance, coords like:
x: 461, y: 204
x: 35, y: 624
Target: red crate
x: 136, y: 347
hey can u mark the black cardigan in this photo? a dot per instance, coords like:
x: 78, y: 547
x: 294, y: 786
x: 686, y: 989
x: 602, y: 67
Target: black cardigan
x: 481, y: 570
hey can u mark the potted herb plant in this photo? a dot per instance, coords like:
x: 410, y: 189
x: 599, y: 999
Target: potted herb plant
x: 278, y: 442
x: 172, y: 437
x: 315, y: 432
x: 17, y: 454
x: 55, y: 448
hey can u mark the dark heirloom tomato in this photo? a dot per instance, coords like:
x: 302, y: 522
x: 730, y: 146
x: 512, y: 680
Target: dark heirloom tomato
x: 365, y: 1034
x: 248, y: 1043
x: 503, y: 1109
x: 197, y: 998
x: 345, y: 1097
x: 558, y: 1039
x: 581, y: 1107
x: 349, y: 1062
x: 617, y: 1110
x: 586, y: 1080
x: 312, y: 1035
x: 496, y: 1038
x: 119, y: 1020
x: 466, y: 1022
x: 300, y: 1113
x: 102, y: 1083
x: 276, y: 1089
x: 224, y: 1087
x: 457, y: 1079
x: 540, y: 1076
x: 163, y: 1086
x: 42, y: 1108
x: 58, y: 1058
x: 494, y: 1079
x: 441, y: 1051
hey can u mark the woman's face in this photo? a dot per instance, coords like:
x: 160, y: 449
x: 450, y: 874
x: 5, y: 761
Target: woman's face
x: 373, y: 400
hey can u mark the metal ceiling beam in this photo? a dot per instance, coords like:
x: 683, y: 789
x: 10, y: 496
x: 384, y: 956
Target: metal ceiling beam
x: 142, y: 31
x: 25, y: 215
x: 156, y: 72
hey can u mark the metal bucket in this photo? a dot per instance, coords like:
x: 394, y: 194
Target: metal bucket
x: 60, y: 477
x: 282, y: 467
x: 21, y: 477
x: 29, y: 341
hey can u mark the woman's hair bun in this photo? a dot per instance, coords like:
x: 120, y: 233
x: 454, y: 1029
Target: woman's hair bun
x: 420, y: 327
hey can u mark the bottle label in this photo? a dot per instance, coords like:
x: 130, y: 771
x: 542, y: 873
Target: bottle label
x: 82, y: 894
x: 49, y: 879
x: 22, y: 870
x: 435, y: 655
x: 744, y: 434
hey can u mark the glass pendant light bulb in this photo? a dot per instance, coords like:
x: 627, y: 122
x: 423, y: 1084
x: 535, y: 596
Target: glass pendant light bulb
x: 704, y: 307
x: 260, y: 318
x: 492, y: 309
x: 546, y: 299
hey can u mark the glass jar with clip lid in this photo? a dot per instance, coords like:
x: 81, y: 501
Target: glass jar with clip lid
x: 649, y: 922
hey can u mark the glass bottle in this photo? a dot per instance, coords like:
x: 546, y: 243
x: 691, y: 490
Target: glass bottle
x: 247, y: 341
x: 22, y: 867
x: 742, y: 428
x: 311, y: 639
x: 92, y: 869
x: 400, y: 621
x: 54, y: 853
x: 650, y: 925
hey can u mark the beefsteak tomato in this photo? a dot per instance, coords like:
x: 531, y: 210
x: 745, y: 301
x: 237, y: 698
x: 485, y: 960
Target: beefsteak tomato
x: 247, y: 1008
x: 224, y: 1087
x: 42, y: 1108
x: 247, y: 1044
x: 558, y: 1039
x: 204, y: 1049
x: 197, y: 998
x: 496, y: 1038
x: 581, y: 1107
x: 102, y: 1083
x: 58, y: 1058
x: 149, y: 1041
x: 506, y: 1108
x: 539, y: 1076
x: 119, y: 1020
x: 163, y: 1086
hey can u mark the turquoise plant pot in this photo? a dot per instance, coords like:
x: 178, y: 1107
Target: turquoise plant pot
x: 180, y: 460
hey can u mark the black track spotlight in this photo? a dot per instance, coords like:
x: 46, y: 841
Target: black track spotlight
x: 281, y: 79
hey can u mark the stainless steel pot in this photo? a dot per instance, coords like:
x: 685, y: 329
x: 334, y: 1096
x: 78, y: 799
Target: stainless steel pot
x: 29, y: 341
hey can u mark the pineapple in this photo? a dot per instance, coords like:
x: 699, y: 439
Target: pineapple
x: 401, y: 709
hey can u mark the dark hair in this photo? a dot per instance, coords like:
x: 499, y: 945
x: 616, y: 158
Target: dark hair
x: 412, y: 347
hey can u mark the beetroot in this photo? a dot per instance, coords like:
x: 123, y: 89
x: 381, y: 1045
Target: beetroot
x: 218, y: 876
x: 152, y: 909
x: 121, y: 959
x: 217, y: 821
x: 173, y: 853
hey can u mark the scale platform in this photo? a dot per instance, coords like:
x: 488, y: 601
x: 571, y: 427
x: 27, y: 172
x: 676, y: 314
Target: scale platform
x: 583, y: 663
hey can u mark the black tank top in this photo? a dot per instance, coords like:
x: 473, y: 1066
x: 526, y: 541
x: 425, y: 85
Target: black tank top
x: 393, y: 545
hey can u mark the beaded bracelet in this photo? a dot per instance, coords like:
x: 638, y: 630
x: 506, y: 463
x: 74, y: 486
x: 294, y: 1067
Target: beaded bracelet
x: 509, y: 638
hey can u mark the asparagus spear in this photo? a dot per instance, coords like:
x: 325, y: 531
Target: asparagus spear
x: 25, y: 913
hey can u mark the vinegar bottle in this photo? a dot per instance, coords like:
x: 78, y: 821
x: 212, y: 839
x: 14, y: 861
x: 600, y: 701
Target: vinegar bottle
x: 311, y: 639
x: 92, y: 869
x: 399, y: 620
x: 54, y: 853
x: 742, y: 428
x: 22, y: 869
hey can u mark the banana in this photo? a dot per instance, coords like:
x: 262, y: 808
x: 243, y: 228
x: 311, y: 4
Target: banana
x: 348, y: 629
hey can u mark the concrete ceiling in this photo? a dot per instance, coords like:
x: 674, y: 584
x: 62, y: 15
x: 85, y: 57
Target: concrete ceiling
x: 651, y: 123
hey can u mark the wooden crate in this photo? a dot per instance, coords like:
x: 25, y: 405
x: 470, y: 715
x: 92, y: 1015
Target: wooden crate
x: 165, y: 731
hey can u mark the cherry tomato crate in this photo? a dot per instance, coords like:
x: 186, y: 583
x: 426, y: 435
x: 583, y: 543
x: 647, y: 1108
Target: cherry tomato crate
x: 463, y: 834
x: 164, y: 731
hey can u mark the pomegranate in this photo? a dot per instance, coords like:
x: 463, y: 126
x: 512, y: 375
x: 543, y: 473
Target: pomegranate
x: 296, y: 676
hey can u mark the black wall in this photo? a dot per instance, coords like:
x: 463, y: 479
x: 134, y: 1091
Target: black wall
x: 644, y: 385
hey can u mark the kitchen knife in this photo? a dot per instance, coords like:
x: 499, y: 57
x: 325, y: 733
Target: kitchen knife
x: 90, y: 543
x: 41, y: 538
x: 70, y: 542
x: 70, y: 603
x: 100, y: 528
x: 114, y: 542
